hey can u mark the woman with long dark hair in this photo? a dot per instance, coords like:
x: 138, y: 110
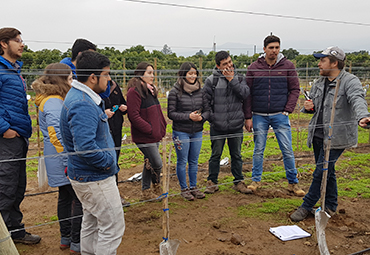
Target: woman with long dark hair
x: 188, y: 110
x: 148, y: 126
x: 51, y: 89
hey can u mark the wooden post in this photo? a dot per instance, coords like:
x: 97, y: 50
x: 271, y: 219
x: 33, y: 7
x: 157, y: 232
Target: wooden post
x: 350, y: 67
x: 155, y: 73
x: 124, y: 73
x: 306, y: 75
x: 165, y: 220
x: 200, y: 69
x: 7, y: 246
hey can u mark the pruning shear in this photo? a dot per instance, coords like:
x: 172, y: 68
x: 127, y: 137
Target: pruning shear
x: 114, y: 108
x: 306, y: 95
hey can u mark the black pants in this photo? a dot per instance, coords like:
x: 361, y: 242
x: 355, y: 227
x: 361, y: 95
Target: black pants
x: 69, y: 206
x: 13, y: 180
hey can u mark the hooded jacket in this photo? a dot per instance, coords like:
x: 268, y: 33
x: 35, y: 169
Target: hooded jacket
x: 350, y: 108
x: 181, y: 104
x: 68, y: 62
x: 13, y: 100
x: 273, y: 88
x: 229, y: 97
x: 49, y: 116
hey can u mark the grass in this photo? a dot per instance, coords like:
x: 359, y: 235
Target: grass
x: 271, y: 209
x: 353, y: 169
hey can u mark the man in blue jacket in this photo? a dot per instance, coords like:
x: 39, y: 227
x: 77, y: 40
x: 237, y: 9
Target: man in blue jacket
x: 92, y: 159
x: 79, y: 46
x: 15, y: 129
x: 274, y: 93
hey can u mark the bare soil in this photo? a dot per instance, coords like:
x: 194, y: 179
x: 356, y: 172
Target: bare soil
x: 206, y: 226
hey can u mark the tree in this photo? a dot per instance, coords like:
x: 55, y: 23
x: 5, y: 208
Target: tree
x: 200, y: 53
x: 290, y: 53
x: 166, y: 50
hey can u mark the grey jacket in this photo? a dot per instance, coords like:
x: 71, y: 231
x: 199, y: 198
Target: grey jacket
x: 228, y: 111
x: 350, y: 109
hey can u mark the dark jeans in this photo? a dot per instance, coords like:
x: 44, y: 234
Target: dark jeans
x: 152, y: 173
x: 234, y: 140
x: 313, y: 195
x: 69, y: 206
x: 13, y: 183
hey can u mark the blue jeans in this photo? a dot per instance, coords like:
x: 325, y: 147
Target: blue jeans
x: 281, y: 125
x: 314, y: 193
x: 187, y: 151
x: 234, y: 140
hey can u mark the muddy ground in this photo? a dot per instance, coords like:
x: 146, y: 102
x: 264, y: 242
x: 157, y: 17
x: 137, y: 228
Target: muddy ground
x: 205, y: 227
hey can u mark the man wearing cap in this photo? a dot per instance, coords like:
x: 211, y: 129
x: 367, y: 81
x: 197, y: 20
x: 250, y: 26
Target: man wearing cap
x: 350, y: 111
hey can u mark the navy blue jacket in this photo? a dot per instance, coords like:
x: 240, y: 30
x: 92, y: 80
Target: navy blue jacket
x: 273, y: 88
x: 13, y: 100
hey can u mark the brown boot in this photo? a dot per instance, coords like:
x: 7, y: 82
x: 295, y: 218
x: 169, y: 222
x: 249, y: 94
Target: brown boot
x: 211, y: 187
x: 185, y: 193
x: 254, y: 186
x: 242, y: 188
x: 147, y: 194
x: 157, y: 189
x: 197, y: 193
x: 294, y: 188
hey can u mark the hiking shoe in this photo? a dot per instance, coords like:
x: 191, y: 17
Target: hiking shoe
x: 330, y: 212
x: 75, y: 249
x: 65, y: 242
x: 242, y: 188
x: 197, y: 193
x: 147, y: 194
x: 294, y: 188
x: 254, y: 186
x: 185, y: 193
x: 211, y: 187
x: 299, y: 214
x: 124, y: 202
x: 28, y: 239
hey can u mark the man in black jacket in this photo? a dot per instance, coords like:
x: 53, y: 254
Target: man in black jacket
x: 226, y: 92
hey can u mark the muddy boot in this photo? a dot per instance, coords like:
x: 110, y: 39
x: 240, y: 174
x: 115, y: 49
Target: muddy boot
x: 294, y: 188
x: 185, y: 193
x: 211, y: 187
x: 254, y: 186
x: 147, y: 194
x: 197, y: 193
x: 299, y: 214
x: 242, y: 188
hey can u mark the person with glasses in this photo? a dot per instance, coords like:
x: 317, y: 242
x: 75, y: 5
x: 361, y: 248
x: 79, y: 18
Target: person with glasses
x: 15, y: 129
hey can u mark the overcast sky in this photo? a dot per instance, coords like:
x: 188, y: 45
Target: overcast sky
x: 55, y: 24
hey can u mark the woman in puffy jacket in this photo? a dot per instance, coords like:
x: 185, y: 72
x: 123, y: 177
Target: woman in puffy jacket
x: 51, y: 89
x: 188, y: 111
x: 148, y: 126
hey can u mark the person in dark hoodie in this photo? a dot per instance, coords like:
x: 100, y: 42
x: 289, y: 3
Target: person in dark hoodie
x: 188, y: 110
x: 226, y: 92
x: 79, y: 46
x: 274, y: 85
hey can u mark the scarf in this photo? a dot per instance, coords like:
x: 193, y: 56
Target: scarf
x: 190, y: 88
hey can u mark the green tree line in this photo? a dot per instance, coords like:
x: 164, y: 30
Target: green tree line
x: 167, y: 62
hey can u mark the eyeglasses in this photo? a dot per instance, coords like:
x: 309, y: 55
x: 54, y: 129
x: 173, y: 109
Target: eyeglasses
x: 17, y: 40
